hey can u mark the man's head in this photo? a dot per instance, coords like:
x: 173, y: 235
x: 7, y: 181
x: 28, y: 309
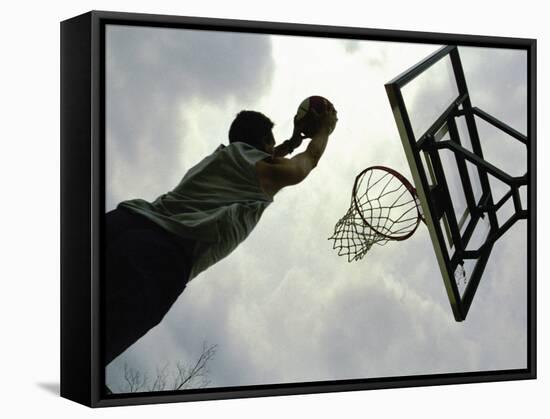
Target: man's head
x: 253, y: 128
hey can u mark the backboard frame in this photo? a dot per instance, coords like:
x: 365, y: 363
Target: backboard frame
x: 436, y: 200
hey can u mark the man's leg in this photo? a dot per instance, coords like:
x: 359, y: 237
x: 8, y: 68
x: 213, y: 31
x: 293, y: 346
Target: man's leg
x: 145, y: 272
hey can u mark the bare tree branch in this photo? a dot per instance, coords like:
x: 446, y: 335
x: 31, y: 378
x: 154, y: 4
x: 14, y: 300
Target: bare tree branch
x: 134, y: 379
x: 193, y: 376
x: 160, y: 380
x: 198, y: 371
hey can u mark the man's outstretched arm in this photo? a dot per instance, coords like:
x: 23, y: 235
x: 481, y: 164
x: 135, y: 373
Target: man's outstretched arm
x: 287, y: 147
x: 280, y: 172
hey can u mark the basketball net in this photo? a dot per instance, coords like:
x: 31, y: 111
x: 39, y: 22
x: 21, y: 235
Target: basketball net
x: 384, y: 207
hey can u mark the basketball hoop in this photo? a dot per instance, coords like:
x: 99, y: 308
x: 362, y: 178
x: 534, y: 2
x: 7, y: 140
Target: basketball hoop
x: 384, y: 207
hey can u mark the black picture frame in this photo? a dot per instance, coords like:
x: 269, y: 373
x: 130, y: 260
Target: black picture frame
x: 83, y: 200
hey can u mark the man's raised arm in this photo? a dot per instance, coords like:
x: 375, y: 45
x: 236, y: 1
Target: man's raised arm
x: 280, y: 172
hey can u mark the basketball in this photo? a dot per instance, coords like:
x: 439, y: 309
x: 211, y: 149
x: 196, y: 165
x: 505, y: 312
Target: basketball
x: 309, y: 111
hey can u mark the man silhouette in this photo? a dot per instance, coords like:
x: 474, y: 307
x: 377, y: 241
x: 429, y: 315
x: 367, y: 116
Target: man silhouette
x: 153, y: 249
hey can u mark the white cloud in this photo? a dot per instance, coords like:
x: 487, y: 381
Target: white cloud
x: 154, y: 73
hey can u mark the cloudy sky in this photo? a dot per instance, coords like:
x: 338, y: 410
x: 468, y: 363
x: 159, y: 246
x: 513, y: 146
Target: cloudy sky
x: 284, y: 307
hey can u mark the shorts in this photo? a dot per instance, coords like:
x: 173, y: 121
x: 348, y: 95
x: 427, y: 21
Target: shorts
x: 146, y: 269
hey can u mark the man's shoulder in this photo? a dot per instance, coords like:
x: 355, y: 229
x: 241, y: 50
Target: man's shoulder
x: 277, y: 172
x: 270, y: 166
x: 244, y: 154
x: 273, y: 161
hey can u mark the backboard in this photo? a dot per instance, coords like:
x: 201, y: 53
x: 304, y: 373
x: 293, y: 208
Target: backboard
x: 438, y: 129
